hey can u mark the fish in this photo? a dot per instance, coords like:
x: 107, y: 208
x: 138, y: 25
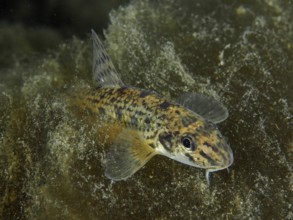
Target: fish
x: 142, y: 123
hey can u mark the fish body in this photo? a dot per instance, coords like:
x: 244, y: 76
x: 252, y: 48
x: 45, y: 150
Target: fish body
x: 149, y: 124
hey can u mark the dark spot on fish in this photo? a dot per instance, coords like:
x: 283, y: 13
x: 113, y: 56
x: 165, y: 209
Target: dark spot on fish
x: 147, y: 120
x: 102, y: 111
x: 166, y: 140
x: 110, y: 92
x: 143, y: 102
x: 152, y: 145
x: 175, y: 133
x: 222, y: 155
x: 122, y: 90
x: 165, y: 105
x: 102, y: 95
x: 209, y: 159
x: 145, y: 93
x: 95, y: 101
x: 187, y: 120
x: 98, y: 87
x: 215, y: 149
x: 140, y: 113
x: 207, y: 144
x: 134, y: 121
x: 119, y: 113
x: 148, y: 154
x: 189, y: 157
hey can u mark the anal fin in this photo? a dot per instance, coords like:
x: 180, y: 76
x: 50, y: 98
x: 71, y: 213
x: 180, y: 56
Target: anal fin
x: 128, y: 154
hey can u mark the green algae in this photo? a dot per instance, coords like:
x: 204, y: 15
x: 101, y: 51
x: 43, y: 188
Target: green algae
x: 52, y: 165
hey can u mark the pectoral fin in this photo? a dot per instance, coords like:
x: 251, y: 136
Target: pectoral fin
x: 127, y: 155
x: 207, y: 107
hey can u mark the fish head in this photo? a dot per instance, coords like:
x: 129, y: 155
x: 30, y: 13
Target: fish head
x: 197, y: 142
x: 201, y: 144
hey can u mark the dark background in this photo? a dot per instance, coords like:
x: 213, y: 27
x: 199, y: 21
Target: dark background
x: 68, y: 17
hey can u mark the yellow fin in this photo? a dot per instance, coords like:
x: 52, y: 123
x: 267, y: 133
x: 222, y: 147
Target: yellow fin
x: 127, y: 155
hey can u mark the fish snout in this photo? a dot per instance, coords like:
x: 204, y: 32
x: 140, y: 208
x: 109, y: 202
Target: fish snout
x: 223, y: 156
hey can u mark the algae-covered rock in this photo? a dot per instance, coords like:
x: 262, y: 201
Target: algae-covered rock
x: 240, y: 53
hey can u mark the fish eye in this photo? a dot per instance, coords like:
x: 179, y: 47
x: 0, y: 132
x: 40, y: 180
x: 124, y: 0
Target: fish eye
x: 188, y: 143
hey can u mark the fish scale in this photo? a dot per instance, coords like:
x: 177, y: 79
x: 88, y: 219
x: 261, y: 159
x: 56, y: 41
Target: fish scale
x: 123, y: 107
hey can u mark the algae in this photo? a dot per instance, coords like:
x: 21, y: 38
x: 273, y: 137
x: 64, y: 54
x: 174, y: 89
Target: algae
x: 239, y: 52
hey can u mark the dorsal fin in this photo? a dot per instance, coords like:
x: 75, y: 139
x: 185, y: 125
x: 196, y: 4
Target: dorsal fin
x: 207, y: 107
x: 104, y: 72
